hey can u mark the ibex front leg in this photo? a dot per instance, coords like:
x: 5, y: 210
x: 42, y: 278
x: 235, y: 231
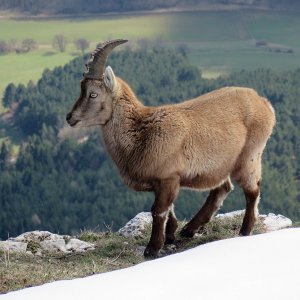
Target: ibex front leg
x: 165, y: 193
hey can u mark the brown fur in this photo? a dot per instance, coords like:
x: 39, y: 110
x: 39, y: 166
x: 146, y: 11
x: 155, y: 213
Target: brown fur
x: 199, y: 143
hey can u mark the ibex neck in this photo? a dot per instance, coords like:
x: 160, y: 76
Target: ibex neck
x: 125, y: 98
x: 118, y: 133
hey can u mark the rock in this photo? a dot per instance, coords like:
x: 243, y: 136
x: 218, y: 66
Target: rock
x: 135, y: 226
x: 38, y: 242
x: 45, y: 240
x: 76, y: 245
x: 54, y: 245
x: 231, y: 214
x: 140, y: 250
x: 12, y: 246
x: 37, y: 236
x: 29, y: 253
x: 271, y: 221
x: 275, y: 222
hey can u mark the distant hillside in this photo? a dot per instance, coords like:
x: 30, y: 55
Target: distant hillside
x: 54, y: 7
x: 63, y: 180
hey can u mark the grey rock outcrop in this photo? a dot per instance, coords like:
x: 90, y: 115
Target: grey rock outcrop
x: 275, y: 222
x: 136, y: 226
x: 271, y: 221
x: 13, y: 246
x: 39, y: 242
x: 75, y: 245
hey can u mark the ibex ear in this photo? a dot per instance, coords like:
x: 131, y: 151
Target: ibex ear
x: 110, y: 79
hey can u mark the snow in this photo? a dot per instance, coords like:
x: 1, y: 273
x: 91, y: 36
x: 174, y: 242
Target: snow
x: 263, y: 267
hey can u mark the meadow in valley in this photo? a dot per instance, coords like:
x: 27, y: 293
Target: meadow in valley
x: 216, y: 42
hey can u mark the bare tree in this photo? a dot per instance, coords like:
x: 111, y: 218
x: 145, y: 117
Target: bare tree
x: 4, y: 47
x: 12, y: 43
x: 29, y: 45
x: 182, y: 48
x: 82, y: 44
x: 59, y: 42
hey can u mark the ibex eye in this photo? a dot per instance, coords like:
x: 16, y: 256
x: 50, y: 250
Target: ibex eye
x: 93, y: 95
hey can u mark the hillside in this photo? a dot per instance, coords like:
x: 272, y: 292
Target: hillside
x: 55, y: 7
x: 259, y: 267
x: 63, y: 180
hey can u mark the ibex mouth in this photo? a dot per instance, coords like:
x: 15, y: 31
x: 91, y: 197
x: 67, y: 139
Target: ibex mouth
x: 71, y: 121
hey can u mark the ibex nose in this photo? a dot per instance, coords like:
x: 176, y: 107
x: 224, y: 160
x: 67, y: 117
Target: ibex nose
x: 69, y: 116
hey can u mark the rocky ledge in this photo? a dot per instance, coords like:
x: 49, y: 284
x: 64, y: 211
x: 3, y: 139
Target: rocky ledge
x: 136, y: 226
x: 40, y: 242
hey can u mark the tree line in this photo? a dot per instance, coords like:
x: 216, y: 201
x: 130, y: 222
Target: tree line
x: 63, y: 180
x: 102, y: 6
x: 59, y: 43
x: 25, y: 46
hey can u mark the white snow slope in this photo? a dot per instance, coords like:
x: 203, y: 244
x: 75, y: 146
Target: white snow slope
x: 265, y: 266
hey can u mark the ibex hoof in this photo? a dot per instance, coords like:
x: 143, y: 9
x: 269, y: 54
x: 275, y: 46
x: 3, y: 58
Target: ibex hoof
x: 244, y: 232
x: 169, y: 240
x: 150, y: 252
x: 186, y: 233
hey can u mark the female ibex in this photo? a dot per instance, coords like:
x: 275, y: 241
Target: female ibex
x: 199, y: 143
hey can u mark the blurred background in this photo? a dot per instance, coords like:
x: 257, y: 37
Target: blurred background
x: 60, y: 179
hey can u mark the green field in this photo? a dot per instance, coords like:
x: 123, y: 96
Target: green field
x: 218, y: 42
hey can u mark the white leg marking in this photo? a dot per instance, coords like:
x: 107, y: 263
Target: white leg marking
x: 163, y: 214
x: 256, y: 213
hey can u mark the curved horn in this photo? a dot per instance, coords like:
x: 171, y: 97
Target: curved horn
x: 95, y: 66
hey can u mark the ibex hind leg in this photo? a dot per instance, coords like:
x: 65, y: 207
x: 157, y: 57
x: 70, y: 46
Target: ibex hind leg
x: 212, y: 204
x: 249, y: 179
x: 251, y: 212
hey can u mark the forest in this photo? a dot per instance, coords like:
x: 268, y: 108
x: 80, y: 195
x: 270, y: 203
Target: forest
x: 62, y: 180
x: 55, y: 7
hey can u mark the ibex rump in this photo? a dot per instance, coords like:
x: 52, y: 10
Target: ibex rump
x: 200, y: 143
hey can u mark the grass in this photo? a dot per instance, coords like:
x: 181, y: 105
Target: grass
x: 276, y: 27
x: 112, y: 252
x: 93, y: 29
x: 30, y: 66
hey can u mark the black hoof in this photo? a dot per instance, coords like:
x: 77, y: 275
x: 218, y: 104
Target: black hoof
x: 151, y: 253
x: 169, y: 240
x: 186, y: 233
x: 244, y: 233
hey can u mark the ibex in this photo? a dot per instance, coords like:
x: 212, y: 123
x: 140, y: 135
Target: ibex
x: 200, y: 144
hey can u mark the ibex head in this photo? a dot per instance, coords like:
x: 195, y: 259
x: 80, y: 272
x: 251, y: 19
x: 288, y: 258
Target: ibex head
x: 94, y: 105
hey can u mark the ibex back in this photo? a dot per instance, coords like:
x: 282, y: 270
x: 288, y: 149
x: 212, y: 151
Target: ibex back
x: 200, y: 143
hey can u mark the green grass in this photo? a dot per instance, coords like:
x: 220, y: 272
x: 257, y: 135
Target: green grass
x: 276, y: 27
x: 93, y: 29
x: 30, y: 66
